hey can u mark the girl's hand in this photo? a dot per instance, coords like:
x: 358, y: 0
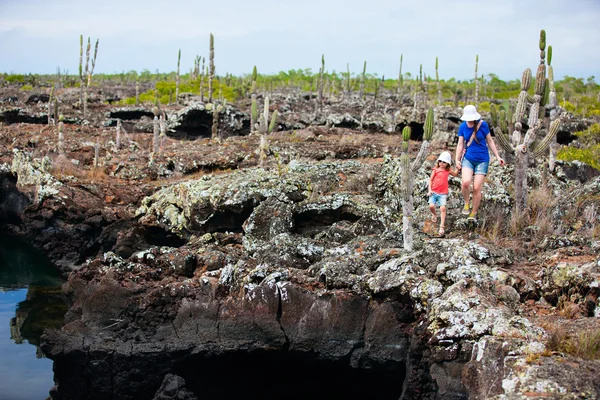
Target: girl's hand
x: 458, y: 165
x: 429, y: 193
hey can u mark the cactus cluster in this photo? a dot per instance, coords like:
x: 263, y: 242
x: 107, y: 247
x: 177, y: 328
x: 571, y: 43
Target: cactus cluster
x: 85, y: 76
x: 211, y: 67
x: 177, y: 78
x: 540, y: 132
x: 405, y: 171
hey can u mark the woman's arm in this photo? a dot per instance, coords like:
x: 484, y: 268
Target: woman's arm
x: 492, y: 146
x: 459, y: 150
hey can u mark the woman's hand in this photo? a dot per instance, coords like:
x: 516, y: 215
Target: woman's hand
x: 501, y: 161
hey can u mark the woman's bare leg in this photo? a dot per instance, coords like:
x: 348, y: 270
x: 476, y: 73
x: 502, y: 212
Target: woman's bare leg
x: 477, y: 184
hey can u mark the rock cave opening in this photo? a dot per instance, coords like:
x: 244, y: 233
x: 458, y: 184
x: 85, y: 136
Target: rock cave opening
x: 289, y: 375
x: 416, y: 130
x: 16, y: 116
x: 196, y: 124
x: 156, y: 236
x: 131, y: 114
x: 227, y: 221
x: 564, y: 137
x: 311, y: 222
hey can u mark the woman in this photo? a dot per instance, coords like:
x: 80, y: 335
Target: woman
x: 475, y: 162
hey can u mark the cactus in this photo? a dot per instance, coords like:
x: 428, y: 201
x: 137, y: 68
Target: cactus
x: 348, y: 89
x: 320, y: 83
x: 362, y: 81
x: 405, y: 169
x: 96, y: 155
x: 216, y: 109
x: 137, y: 90
x: 80, y: 69
x: 50, y: 110
x: 476, y: 81
x: 400, y: 82
x: 177, y: 78
x: 156, y: 135
x: 263, y: 149
x: 211, y: 64
x: 61, y: 135
x: 265, y: 126
x: 118, y: 134
x: 202, y: 71
x: 437, y: 80
x: 88, y: 72
x: 519, y: 145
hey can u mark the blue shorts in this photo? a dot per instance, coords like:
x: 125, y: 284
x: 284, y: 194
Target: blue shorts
x: 438, y: 199
x: 479, y: 168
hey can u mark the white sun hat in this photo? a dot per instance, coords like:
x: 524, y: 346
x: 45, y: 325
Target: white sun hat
x: 445, y: 157
x: 470, y: 114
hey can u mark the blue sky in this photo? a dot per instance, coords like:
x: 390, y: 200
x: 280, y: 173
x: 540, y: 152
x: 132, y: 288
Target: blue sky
x: 38, y: 36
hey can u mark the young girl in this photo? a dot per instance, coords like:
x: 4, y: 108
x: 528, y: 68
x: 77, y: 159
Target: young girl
x: 438, y: 187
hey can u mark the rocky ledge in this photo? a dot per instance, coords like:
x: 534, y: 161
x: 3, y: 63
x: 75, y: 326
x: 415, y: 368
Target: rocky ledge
x: 199, y: 273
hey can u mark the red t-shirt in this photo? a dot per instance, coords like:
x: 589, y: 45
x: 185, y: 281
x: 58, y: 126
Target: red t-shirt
x: 439, y: 181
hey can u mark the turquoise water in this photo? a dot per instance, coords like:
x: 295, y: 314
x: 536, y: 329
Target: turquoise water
x: 30, y: 301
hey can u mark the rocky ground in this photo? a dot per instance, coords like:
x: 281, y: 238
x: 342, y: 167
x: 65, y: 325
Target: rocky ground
x: 204, y: 255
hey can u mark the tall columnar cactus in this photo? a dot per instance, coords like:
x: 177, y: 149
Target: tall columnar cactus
x: 254, y: 106
x: 88, y: 73
x: 437, y: 80
x: 216, y: 109
x: 50, y: 103
x: 405, y: 171
x: 177, y: 78
x: 552, y: 106
x: 81, y: 82
x: 476, y: 81
x: 520, y: 145
x: 264, y: 125
x: 400, y: 82
x: 118, y: 134
x: 61, y: 135
x: 211, y: 63
x: 348, y: 89
x: 203, y: 74
x: 137, y: 90
x: 362, y: 81
x: 320, y: 82
x: 162, y: 126
x: 97, y: 154
x: 156, y: 134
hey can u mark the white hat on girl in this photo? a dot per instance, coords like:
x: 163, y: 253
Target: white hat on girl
x: 445, y: 157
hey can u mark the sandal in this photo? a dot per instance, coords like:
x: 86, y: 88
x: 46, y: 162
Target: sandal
x: 442, y: 232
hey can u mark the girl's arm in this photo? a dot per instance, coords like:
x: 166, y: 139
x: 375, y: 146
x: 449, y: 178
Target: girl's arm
x: 492, y: 146
x: 454, y: 172
x: 459, y: 150
x: 429, y: 192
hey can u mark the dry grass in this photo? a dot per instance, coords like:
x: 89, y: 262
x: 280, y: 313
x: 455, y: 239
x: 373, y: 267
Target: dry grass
x: 584, y: 344
x: 529, y: 225
x: 62, y: 167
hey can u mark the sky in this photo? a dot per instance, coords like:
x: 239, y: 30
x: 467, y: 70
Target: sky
x: 39, y: 36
